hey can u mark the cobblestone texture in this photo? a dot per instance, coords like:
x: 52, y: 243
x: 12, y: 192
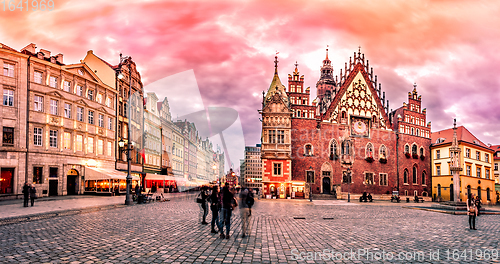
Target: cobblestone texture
x: 170, y: 232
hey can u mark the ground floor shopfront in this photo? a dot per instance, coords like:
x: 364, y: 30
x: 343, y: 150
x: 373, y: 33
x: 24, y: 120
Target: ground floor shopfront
x: 283, y: 190
x: 442, y: 188
x: 108, y: 181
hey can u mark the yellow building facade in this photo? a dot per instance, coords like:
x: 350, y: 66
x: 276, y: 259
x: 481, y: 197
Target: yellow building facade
x: 476, y: 161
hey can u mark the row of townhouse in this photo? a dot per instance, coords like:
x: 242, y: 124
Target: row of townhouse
x: 61, y: 125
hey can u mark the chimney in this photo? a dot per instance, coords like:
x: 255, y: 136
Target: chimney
x: 30, y: 48
x: 46, y: 53
x: 59, y: 58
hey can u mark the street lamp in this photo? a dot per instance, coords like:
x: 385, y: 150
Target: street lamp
x: 349, y: 185
x: 310, y: 174
x: 127, y: 60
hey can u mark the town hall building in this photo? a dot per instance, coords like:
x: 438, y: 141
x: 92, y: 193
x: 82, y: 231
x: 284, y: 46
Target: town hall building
x: 346, y: 141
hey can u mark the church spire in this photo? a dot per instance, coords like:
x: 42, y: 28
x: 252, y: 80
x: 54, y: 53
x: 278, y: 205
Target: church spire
x: 276, y: 63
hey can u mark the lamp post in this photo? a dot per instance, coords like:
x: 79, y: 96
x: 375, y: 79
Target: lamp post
x: 349, y: 185
x: 310, y: 173
x: 121, y: 143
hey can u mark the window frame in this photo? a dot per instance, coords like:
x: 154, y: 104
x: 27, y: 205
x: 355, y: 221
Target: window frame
x: 53, y: 138
x: 368, y: 178
x: 8, y: 99
x: 38, y: 104
x: 38, y: 136
x: 90, y: 115
x: 67, y: 88
x: 67, y: 110
x: 10, y: 70
x: 90, y: 95
x: 277, y: 169
x: 6, y: 131
x: 54, y: 108
x: 101, y: 120
x: 38, y: 77
x: 79, y: 90
x: 80, y: 114
x: 383, y: 179
x: 67, y: 140
x: 53, y: 81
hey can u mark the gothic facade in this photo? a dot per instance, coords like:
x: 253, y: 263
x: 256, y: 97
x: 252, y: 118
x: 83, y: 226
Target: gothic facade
x: 347, y: 140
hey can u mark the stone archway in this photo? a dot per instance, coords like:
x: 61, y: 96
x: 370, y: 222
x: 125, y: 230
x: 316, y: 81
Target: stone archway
x: 326, y: 178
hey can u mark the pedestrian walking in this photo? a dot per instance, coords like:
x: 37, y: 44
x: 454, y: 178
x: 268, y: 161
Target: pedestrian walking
x: 246, y: 203
x: 203, y: 195
x: 477, y: 201
x: 228, y: 204
x: 472, y: 212
x: 137, y: 189
x: 33, y: 195
x: 214, y: 207
x: 26, y: 192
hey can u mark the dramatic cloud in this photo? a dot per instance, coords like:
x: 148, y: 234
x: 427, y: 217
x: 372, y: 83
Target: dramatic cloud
x: 449, y: 48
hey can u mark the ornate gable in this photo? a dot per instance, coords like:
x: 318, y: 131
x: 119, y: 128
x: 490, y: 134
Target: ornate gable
x: 357, y: 97
x: 276, y: 104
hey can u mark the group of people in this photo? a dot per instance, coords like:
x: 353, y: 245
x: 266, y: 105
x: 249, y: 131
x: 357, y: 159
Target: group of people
x: 29, y: 192
x: 222, y: 203
x: 473, y: 206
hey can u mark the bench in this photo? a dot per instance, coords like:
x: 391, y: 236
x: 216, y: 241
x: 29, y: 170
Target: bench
x: 418, y: 199
x: 365, y: 199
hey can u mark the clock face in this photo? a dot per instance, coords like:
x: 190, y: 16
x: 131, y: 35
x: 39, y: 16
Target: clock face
x: 359, y: 127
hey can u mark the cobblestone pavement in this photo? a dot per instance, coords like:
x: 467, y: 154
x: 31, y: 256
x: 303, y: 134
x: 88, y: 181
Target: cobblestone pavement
x: 282, y: 231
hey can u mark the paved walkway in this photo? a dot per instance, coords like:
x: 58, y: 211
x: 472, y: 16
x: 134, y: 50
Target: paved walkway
x: 15, y: 208
x: 281, y: 231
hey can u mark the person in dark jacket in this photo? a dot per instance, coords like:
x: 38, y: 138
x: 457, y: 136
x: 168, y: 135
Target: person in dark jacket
x: 245, y: 210
x: 26, y: 192
x: 204, y: 197
x: 214, y: 207
x: 227, y: 207
x: 32, y: 194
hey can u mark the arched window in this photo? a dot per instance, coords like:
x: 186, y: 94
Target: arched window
x: 374, y: 120
x: 308, y: 151
x: 407, y: 149
x: 369, y: 150
x: 345, y: 147
x: 333, y: 150
x: 383, y: 152
x: 414, y: 174
x: 414, y: 149
x: 421, y: 152
x: 405, y: 176
x: 343, y: 115
x: 423, y: 177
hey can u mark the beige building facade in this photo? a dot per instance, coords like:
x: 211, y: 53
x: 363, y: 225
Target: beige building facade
x: 71, y: 116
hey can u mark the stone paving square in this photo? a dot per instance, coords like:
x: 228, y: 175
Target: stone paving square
x: 281, y: 231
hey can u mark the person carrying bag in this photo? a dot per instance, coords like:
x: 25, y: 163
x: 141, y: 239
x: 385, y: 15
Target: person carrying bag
x: 472, y: 212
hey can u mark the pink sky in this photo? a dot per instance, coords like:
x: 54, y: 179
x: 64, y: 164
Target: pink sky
x: 451, y: 49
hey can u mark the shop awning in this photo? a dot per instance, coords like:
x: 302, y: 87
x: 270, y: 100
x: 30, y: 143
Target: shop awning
x: 155, y: 177
x: 105, y: 174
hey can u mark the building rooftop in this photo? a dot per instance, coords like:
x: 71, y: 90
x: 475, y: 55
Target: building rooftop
x: 464, y: 135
